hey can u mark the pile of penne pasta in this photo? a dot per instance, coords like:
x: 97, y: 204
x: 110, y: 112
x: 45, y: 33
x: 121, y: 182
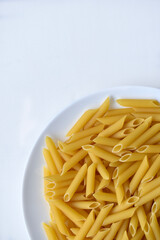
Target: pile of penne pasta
x: 103, y: 182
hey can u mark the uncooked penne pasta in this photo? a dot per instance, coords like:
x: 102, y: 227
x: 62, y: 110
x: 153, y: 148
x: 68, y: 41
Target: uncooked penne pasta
x: 155, y: 116
x: 155, y: 226
x: 50, y: 232
x: 132, y: 136
x: 106, y: 141
x: 101, y: 234
x: 139, y: 235
x: 138, y: 103
x: 113, y: 230
x: 149, y: 149
x: 125, y: 204
x: 148, y: 232
x: 90, y: 186
x: 101, y: 111
x: 147, y: 110
x: 131, y: 157
x: 85, y: 204
x: 120, y: 169
x: 119, y: 111
x: 123, y: 133
x: 125, y: 236
x: 59, y: 235
x: 155, y: 139
x: 122, y: 229
x: 108, y: 197
x: 133, y: 224
x: 156, y: 205
x: 110, y: 120
x: 142, y: 218
x: 50, y: 162
x: 119, y: 192
x: 148, y: 186
x: 134, y: 123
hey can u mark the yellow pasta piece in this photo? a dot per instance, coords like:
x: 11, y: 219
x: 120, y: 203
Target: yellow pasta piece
x: 122, y: 178
x: 73, y: 161
x: 156, y: 205
x: 82, y: 121
x: 155, y: 226
x: 58, y: 178
x: 113, y: 230
x: 104, y: 183
x: 131, y: 157
x: 120, y: 169
x: 85, y: 204
x: 133, y: 224
x: 125, y: 236
x: 149, y: 196
x: 86, y: 133
x: 149, y: 149
x: 152, y: 170
x: 142, y: 218
x: 122, y: 229
x: 119, y: 216
x: 155, y: 139
x: 125, y: 204
x: 59, y: 235
x: 147, y: 206
x: 76, y: 145
x: 50, y: 232
x: 147, y: 110
x: 147, y: 187
x: 102, y: 196
x: 122, y: 133
x: 101, y: 234
x: 148, y: 232
x: 54, y: 185
x: 86, y: 226
x: 138, y: 103
x: 100, y: 166
x: 132, y: 136
x: 110, y: 120
x: 139, y: 235
x: 101, y: 111
x: 66, y: 157
x: 99, y: 220
x: 54, y: 153
x: 90, y: 186
x: 141, y: 171
x: 101, y: 153
x: 119, y: 111
x: 50, y: 163
x: 134, y: 123
x: 115, y: 127
x: 119, y: 192
x: 155, y: 116
x: 75, y: 183
x: 146, y: 136
x: 106, y: 141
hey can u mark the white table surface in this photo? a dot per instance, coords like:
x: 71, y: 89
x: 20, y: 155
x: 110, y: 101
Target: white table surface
x: 53, y: 53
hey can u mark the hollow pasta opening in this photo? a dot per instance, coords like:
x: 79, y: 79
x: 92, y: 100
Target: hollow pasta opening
x: 51, y: 185
x: 125, y: 157
x: 146, y: 228
x: 133, y: 199
x: 156, y: 103
x: 115, y: 173
x: 66, y: 197
x: 145, y: 180
x: 132, y: 230
x: 117, y: 148
x: 154, y: 207
x: 94, y: 205
x: 61, y: 146
x: 87, y: 147
x: 142, y: 148
x: 128, y: 131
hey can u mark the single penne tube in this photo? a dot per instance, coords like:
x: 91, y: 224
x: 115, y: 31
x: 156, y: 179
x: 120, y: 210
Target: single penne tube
x: 82, y: 121
x: 101, y: 234
x: 154, y: 168
x: 122, y: 229
x: 148, y: 232
x: 71, y: 213
x: 126, y: 189
x: 155, y: 116
x: 127, y: 203
x: 99, y: 220
x: 101, y: 111
x: 120, y: 169
x: 122, y: 133
x: 100, y: 166
x: 84, y: 204
x: 142, y: 218
x: 149, y: 149
x: 119, y: 216
x: 139, y: 235
x: 86, y: 226
x: 141, y: 171
x: 113, y: 230
x: 51, y: 235
x: 73, y: 161
x: 76, y: 145
x: 149, y: 196
x: 59, y: 235
x: 155, y: 226
x: 125, y: 236
x: 46, y: 173
x: 75, y: 183
x: 115, y: 127
x: 110, y: 157
x: 133, y: 224
x: 102, y: 196
x: 134, y: 123
x: 138, y: 103
x: 149, y: 133
x: 60, y: 178
x: 109, y: 149
x: 122, y: 178
x: 112, y: 119
x: 56, y: 192
x: 132, y: 136
x: 119, y: 111
x: 59, y: 220
x: 114, y: 164
x: 119, y: 192
x: 156, y: 205
x: 155, y: 139
x: 106, y: 141
x: 148, y: 186
x: 90, y: 185
x: 50, y: 163
x: 54, y: 153
x: 131, y: 157
x: 85, y: 133
x: 56, y: 185
x: 66, y: 157
x: 147, y: 110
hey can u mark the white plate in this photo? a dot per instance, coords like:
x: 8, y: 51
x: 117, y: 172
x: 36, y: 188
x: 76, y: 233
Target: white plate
x: 35, y: 208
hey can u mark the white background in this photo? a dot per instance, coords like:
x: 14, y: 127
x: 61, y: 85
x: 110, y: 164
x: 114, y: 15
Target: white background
x: 53, y: 53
